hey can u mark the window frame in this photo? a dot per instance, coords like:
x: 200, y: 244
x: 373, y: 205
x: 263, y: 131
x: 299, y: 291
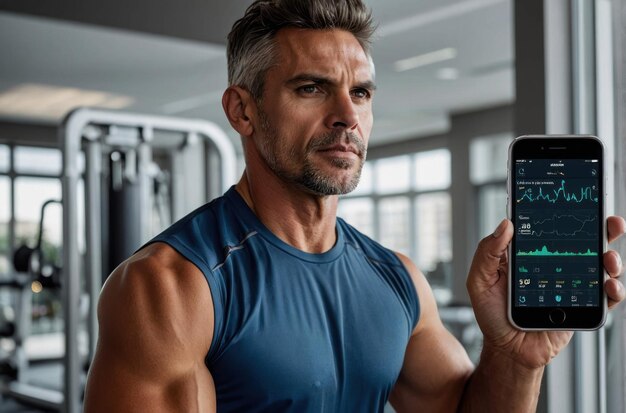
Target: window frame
x: 12, y: 174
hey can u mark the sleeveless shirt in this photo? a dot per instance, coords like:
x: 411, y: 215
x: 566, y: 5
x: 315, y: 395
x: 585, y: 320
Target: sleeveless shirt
x: 294, y: 331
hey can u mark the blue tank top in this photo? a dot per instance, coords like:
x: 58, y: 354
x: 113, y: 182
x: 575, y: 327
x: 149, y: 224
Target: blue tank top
x: 297, y: 332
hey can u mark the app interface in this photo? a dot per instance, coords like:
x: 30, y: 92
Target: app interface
x: 557, y: 228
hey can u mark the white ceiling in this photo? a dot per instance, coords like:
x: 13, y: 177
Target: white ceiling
x: 177, y: 77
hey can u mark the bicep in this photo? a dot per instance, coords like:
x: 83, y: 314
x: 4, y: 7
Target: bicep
x: 150, y: 348
x: 433, y: 375
x: 114, y: 386
x: 436, y: 366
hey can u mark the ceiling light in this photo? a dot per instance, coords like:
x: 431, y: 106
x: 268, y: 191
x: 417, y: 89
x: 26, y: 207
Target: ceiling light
x: 434, y: 16
x: 53, y: 102
x: 425, y: 59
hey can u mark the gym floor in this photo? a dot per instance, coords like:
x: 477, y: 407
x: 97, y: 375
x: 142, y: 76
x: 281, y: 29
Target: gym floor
x: 10, y: 406
x: 44, y: 374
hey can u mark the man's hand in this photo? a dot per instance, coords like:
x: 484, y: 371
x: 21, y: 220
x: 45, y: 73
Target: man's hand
x: 487, y: 286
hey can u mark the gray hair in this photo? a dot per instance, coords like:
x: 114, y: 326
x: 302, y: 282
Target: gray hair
x: 251, y: 49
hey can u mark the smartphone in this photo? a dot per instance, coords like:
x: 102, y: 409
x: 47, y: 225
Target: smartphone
x: 556, y: 201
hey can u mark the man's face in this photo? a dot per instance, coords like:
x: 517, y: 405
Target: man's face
x: 315, y: 116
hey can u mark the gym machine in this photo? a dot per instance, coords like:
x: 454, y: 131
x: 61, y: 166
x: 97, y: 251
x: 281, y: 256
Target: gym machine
x: 122, y: 147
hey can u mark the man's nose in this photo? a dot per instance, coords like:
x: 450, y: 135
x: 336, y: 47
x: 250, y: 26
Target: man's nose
x: 343, y: 112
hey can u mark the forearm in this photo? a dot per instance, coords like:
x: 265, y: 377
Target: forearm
x: 499, y: 384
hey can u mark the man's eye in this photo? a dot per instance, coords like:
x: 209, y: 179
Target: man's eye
x: 308, y: 89
x: 361, y: 93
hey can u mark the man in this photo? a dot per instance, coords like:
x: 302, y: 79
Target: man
x: 263, y: 301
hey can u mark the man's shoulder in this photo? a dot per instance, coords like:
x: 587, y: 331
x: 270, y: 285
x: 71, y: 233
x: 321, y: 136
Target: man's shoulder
x: 202, y: 235
x: 151, y: 303
x: 157, y: 256
x: 157, y: 267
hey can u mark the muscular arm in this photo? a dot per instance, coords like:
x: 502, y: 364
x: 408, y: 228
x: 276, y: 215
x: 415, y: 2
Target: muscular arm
x: 500, y: 384
x: 156, y: 326
x: 437, y: 375
x: 436, y: 367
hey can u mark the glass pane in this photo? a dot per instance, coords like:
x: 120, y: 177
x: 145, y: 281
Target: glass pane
x: 488, y: 156
x: 365, y: 183
x: 434, y: 236
x: 394, y: 227
x: 359, y: 213
x: 393, y: 174
x: 5, y: 159
x: 5, y: 214
x: 30, y: 194
x: 432, y: 170
x: 43, y: 161
x: 5, y: 266
x: 491, y: 208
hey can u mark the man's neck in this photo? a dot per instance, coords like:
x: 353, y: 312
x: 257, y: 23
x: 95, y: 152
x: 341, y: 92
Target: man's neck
x: 302, y: 220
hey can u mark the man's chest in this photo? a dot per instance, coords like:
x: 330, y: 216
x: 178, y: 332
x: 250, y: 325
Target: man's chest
x: 310, y: 333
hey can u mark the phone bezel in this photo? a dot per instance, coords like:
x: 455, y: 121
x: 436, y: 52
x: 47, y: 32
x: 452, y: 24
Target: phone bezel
x: 551, y: 147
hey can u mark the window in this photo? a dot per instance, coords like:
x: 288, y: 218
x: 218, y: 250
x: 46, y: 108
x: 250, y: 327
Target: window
x: 5, y: 214
x: 5, y: 158
x: 25, y: 185
x: 365, y: 183
x: 37, y: 160
x: 492, y: 208
x: 360, y: 213
x: 30, y: 195
x: 488, y: 157
x: 432, y: 170
x: 488, y: 169
x: 403, y: 202
x: 394, y: 224
x: 433, y: 228
x: 393, y: 175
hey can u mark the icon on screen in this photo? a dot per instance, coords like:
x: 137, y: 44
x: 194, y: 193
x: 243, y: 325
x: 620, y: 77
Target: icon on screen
x: 558, y: 298
x: 522, y: 299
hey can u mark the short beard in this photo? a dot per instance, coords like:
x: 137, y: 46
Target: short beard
x: 309, y: 176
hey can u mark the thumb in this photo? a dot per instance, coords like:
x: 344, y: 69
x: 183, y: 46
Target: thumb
x: 491, y: 251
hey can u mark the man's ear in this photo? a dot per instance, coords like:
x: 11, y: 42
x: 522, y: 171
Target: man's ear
x: 239, y: 107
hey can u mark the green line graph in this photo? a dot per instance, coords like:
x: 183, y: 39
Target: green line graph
x: 544, y: 252
x: 561, y: 194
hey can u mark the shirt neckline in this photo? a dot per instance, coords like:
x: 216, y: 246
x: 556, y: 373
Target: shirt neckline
x: 244, y: 212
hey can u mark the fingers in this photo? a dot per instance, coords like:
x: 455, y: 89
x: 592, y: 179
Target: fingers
x: 612, y: 263
x: 487, y: 259
x: 614, y: 288
x: 614, y: 291
x: 616, y: 226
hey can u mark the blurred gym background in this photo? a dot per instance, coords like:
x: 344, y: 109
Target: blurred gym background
x: 457, y: 81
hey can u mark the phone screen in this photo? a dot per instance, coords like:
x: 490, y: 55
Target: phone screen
x: 557, y: 248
